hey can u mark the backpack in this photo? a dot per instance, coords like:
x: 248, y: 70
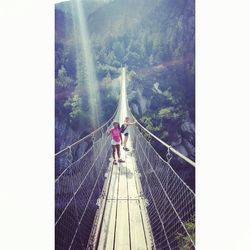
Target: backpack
x: 123, y: 128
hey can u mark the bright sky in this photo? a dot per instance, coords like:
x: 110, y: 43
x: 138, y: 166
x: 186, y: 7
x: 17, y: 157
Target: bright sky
x: 59, y: 1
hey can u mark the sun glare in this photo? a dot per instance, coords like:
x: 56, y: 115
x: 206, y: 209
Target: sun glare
x: 86, y: 68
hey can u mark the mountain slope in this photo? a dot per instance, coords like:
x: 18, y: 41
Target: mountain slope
x: 119, y: 16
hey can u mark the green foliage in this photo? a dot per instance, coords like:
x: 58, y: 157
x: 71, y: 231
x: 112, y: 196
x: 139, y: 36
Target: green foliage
x: 110, y: 58
x: 147, y: 91
x: 119, y: 50
x: 109, y: 101
x: 158, y: 50
x: 80, y: 71
x: 169, y: 96
x: 73, y: 105
x: 165, y: 112
x: 132, y: 59
x: 148, y: 122
x: 107, y: 79
x: 77, y: 110
x: 184, y: 242
x: 158, y: 101
x: 177, y: 52
x: 63, y: 80
x: 116, y: 64
x: 105, y: 70
x: 171, y: 113
x: 147, y: 37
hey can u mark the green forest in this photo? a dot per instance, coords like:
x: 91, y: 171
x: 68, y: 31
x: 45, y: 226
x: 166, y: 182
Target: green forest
x: 155, y: 41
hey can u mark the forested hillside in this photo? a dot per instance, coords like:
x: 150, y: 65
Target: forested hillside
x: 73, y: 116
x: 155, y: 40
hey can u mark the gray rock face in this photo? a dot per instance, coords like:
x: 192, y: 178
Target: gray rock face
x: 188, y: 127
x: 189, y: 147
x: 135, y: 109
x: 142, y: 101
x: 132, y: 94
x: 156, y: 88
x: 188, y: 133
x: 66, y: 134
x: 178, y: 140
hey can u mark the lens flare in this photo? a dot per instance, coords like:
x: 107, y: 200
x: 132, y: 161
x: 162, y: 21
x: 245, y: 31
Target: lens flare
x: 86, y: 73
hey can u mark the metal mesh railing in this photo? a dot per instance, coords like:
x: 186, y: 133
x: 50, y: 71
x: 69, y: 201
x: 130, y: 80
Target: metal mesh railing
x: 79, y: 178
x: 171, y: 203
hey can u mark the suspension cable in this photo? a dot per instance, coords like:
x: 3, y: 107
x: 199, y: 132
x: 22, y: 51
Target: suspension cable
x: 87, y: 136
x: 76, y: 191
x: 164, y: 191
x: 164, y: 143
x: 160, y: 157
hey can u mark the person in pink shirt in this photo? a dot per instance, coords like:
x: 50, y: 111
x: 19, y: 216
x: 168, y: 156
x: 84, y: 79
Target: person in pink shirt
x: 116, y: 141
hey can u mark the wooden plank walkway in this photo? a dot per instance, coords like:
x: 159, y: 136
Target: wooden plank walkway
x: 122, y: 222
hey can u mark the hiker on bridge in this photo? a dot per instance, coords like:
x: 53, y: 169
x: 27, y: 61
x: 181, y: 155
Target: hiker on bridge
x: 116, y: 141
x: 125, y: 131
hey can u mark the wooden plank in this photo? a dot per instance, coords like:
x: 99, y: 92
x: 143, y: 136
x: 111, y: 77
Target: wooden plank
x: 131, y: 175
x: 125, y: 217
x: 96, y: 230
x: 147, y: 226
x: 137, y: 223
x: 124, y: 223
x: 141, y: 206
x: 108, y: 227
x: 122, y: 241
x: 122, y: 190
x: 138, y: 241
x: 122, y: 237
x: 113, y: 183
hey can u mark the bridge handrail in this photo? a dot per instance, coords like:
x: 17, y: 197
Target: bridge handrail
x: 163, y: 160
x: 89, y: 135
x: 192, y: 163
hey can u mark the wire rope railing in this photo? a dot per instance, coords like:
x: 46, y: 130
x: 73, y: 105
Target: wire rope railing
x: 79, y: 178
x: 169, y: 147
x: 78, y: 149
x: 170, y: 201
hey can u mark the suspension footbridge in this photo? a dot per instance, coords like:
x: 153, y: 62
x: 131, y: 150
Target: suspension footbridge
x: 139, y: 204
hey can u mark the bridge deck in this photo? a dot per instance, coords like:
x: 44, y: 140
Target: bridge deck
x: 123, y: 222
